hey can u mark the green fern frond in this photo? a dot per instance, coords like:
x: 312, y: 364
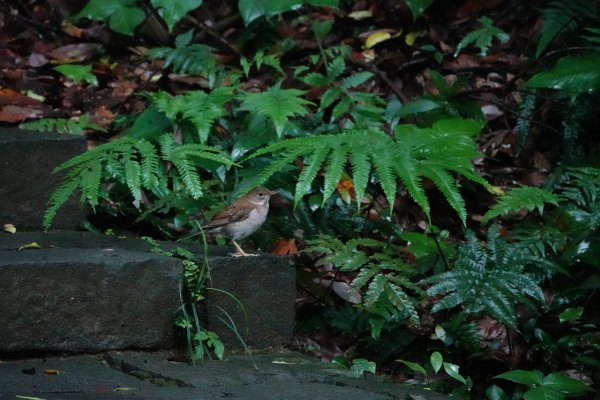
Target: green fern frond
x: 59, y: 197
x: 527, y: 197
x: 133, y: 172
x: 384, y: 162
x: 356, y: 79
x: 402, y: 301
x: 186, y: 58
x: 133, y: 163
x: 482, y: 37
x: 526, y: 112
x: 203, y: 109
x: 447, y: 185
x: 562, y: 16
x: 277, y: 104
x: 408, y: 156
x: 463, y: 332
x: 363, y: 277
x: 375, y: 290
x: 309, y: 173
x: 487, y: 279
x: 200, y: 108
x: 361, y: 169
x: 90, y: 183
x: 71, y: 126
x: 334, y: 171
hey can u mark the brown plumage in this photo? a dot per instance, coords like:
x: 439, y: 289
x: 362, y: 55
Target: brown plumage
x: 242, y: 218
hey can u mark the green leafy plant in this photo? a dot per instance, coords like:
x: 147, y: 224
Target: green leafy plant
x: 411, y: 154
x: 251, y: 10
x: 195, y: 275
x: 137, y: 164
x: 482, y: 37
x: 560, y: 17
x: 382, y: 279
x: 489, y: 280
x: 436, y: 361
x: 448, y: 103
x: 72, y: 126
x: 78, y: 73
x: 187, y: 57
x: 277, y: 104
x: 124, y: 16
x: 554, y: 386
x: 417, y: 7
x: 527, y: 197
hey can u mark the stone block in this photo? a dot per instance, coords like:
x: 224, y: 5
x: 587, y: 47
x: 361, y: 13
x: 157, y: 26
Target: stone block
x: 266, y: 288
x: 84, y: 292
x: 27, y: 159
x: 86, y: 300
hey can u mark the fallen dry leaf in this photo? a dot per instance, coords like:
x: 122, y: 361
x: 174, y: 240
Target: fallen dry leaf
x: 285, y: 247
x: 10, y: 228
x: 32, y: 245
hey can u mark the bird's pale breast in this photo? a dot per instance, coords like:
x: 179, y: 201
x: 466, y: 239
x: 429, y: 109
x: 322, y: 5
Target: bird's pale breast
x: 246, y: 227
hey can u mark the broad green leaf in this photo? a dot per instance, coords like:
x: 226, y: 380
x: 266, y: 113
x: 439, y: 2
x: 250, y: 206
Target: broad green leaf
x: 174, y: 10
x: 253, y: 9
x: 323, y: 3
x: 565, y: 384
x: 419, y: 106
x: 417, y: 7
x: 414, y: 366
x: 523, y: 376
x: 570, y: 314
x: 101, y: 9
x: 452, y: 371
x: 126, y: 20
x: 436, y: 361
x: 78, y: 73
x: 571, y: 74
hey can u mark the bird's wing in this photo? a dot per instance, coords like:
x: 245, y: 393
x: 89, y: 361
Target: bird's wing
x: 228, y: 215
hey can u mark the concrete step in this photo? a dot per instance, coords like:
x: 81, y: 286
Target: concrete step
x: 141, y: 375
x: 83, y: 292
x: 27, y: 160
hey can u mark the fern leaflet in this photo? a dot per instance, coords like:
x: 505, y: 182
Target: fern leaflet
x: 527, y: 197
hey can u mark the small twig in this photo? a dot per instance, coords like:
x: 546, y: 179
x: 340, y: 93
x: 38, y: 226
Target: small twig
x: 382, y: 75
x: 214, y: 34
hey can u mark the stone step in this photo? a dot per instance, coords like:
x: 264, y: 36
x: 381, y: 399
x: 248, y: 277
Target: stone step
x: 143, y: 375
x: 27, y: 160
x: 83, y: 292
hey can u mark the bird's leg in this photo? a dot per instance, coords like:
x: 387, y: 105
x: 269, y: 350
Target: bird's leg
x: 240, y: 252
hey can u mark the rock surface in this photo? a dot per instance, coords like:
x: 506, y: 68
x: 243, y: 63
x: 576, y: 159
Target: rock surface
x: 139, y: 375
x: 82, y: 292
x: 27, y: 160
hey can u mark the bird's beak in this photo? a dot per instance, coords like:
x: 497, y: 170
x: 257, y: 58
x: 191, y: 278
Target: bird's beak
x: 271, y: 193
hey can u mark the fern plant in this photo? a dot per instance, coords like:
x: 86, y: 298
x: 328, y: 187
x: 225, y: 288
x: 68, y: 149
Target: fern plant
x: 187, y: 57
x: 410, y: 155
x: 447, y: 103
x: 136, y: 163
x: 482, y: 37
x: 340, y: 93
x: 488, y: 280
x: 527, y: 197
x: 381, y: 277
x: 73, y: 126
x: 560, y: 17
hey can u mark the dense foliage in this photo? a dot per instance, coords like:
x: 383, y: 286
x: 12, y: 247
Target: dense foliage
x: 422, y: 238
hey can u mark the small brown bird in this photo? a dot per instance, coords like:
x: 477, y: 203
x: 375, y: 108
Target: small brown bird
x: 242, y: 218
